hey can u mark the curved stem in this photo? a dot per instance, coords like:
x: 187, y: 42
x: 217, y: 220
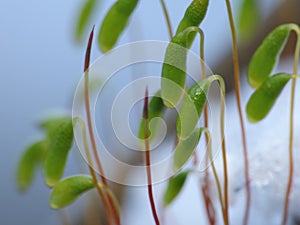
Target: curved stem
x: 92, y: 172
x: 291, y: 158
x: 148, y: 160
x: 167, y: 17
x: 219, y: 189
x: 89, y: 123
x: 205, y: 187
x: 238, y: 99
x: 222, y: 130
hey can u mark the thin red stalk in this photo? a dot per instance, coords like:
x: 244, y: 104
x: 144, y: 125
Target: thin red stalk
x: 89, y: 123
x: 148, y: 161
x: 238, y: 100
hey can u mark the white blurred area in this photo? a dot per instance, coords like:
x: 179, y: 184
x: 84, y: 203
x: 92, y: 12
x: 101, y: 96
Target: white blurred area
x: 40, y: 67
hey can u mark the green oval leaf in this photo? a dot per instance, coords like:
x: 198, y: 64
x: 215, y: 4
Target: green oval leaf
x: 84, y: 17
x: 50, y: 125
x: 266, y: 56
x: 156, y: 108
x: 248, y: 18
x: 68, y: 190
x: 175, y: 185
x: 263, y: 99
x: 193, y: 16
x: 192, y: 107
x: 185, y: 148
x: 28, y: 163
x: 114, y: 23
x: 56, y: 158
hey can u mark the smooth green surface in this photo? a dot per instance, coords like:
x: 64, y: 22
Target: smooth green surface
x: 114, y: 23
x: 263, y: 99
x: 174, y: 67
x: 84, y: 17
x: 56, y: 157
x: 174, y: 71
x: 30, y: 159
x: 175, y: 185
x: 50, y: 125
x: 266, y: 56
x: 192, y: 107
x: 156, y: 108
x: 193, y: 16
x: 248, y: 19
x: 68, y: 190
x: 185, y: 148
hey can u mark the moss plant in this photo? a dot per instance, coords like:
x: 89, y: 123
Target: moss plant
x: 51, y: 152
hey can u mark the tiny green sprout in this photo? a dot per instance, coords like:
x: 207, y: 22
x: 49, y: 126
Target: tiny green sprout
x: 174, y: 66
x: 50, y: 125
x: 263, y: 99
x: 84, y: 17
x: 248, y: 18
x: 193, y: 104
x: 175, y: 186
x: 114, y: 23
x: 266, y: 56
x: 68, y: 190
x: 193, y: 16
x: 30, y: 159
x: 57, y: 154
x: 185, y: 149
x: 156, y: 108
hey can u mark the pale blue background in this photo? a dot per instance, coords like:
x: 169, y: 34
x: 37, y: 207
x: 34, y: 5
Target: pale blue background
x: 40, y: 65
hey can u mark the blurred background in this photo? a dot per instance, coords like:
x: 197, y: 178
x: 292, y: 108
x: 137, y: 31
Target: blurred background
x: 41, y: 64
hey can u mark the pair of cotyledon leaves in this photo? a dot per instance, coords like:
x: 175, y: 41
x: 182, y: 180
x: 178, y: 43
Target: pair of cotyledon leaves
x: 51, y: 153
x: 267, y: 87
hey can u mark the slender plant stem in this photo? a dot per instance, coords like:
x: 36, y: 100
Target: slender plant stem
x: 206, y: 186
x: 148, y: 160
x: 89, y: 123
x: 219, y: 189
x: 167, y: 17
x: 238, y: 100
x: 291, y: 158
x: 222, y: 130
x: 92, y: 172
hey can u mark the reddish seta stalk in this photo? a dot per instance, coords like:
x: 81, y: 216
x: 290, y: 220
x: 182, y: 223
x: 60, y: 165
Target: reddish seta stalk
x: 90, y: 128
x: 148, y: 161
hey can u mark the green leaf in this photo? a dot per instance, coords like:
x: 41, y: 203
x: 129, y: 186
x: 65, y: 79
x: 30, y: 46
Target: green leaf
x: 50, y: 125
x: 248, y: 18
x: 28, y: 163
x: 56, y: 158
x: 175, y: 185
x: 266, y: 56
x: 114, y: 23
x: 263, y: 99
x: 193, y: 16
x: 174, y: 67
x: 68, y: 190
x: 185, y: 148
x: 192, y: 107
x: 84, y: 17
x: 156, y: 108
